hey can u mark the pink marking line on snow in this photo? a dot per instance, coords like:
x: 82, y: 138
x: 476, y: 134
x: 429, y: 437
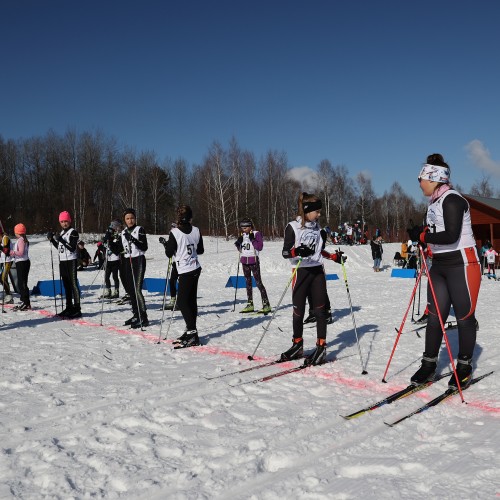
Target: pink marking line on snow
x: 358, y: 383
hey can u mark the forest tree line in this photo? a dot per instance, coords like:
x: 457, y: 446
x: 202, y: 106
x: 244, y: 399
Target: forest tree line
x: 89, y: 175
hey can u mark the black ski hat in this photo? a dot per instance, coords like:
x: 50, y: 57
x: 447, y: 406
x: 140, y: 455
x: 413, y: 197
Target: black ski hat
x: 246, y: 222
x: 129, y: 211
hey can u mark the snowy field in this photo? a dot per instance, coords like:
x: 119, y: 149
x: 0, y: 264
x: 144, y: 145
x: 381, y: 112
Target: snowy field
x: 91, y: 411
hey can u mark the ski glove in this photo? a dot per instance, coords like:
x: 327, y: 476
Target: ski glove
x: 340, y: 256
x: 50, y: 235
x: 421, y: 237
x: 251, y: 236
x: 239, y: 242
x: 302, y: 251
x: 162, y: 240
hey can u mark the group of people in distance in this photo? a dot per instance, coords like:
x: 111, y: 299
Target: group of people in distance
x: 454, y: 277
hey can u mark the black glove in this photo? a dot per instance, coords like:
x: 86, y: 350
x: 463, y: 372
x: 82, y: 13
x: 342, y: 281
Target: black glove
x: 340, y: 256
x: 108, y: 236
x: 252, y: 236
x: 162, y: 240
x: 303, y: 251
x: 239, y: 242
x: 59, y: 238
x: 127, y: 235
x: 50, y: 235
x: 414, y: 232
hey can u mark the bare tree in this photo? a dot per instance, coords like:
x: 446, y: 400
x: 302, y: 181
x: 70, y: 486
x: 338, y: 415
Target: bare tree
x: 482, y: 187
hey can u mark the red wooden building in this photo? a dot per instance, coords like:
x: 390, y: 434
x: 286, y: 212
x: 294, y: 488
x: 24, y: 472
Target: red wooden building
x: 485, y: 216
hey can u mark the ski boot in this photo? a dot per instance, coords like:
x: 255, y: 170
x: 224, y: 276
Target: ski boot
x: 124, y: 300
x: 311, y: 318
x: 172, y: 305
x: 181, y: 339
x: 464, y: 372
x: 74, y: 313
x: 8, y: 299
x: 140, y: 323
x: 426, y: 371
x: 295, y: 352
x: 115, y: 294
x: 131, y: 320
x: 423, y: 319
x: 266, y: 308
x: 319, y: 355
x: 65, y: 312
x: 248, y: 308
x: 106, y: 294
x: 22, y: 307
x: 191, y: 340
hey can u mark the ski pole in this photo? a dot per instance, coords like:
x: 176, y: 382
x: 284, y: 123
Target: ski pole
x: 136, y: 292
x: 171, y: 318
x: 402, y: 324
x: 3, y: 287
x: 266, y: 328
x: 413, y: 307
x: 237, y: 277
x: 431, y: 286
x: 53, y: 276
x: 165, y: 297
x: 102, y: 286
x: 363, y: 367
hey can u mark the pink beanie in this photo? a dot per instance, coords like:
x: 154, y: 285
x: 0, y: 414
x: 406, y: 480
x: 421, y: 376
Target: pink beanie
x: 64, y: 216
x: 19, y: 229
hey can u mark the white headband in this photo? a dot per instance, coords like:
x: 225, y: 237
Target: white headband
x: 435, y: 173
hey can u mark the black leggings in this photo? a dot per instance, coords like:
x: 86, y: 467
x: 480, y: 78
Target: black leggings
x: 133, y: 270
x: 248, y: 270
x: 457, y: 284
x: 112, y: 268
x: 187, y: 297
x: 67, y: 269
x: 309, y: 281
x: 23, y: 269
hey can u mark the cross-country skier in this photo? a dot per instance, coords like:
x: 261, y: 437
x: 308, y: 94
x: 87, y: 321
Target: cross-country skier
x: 304, y: 240
x: 66, y: 242
x: 490, y: 255
x: 184, y: 244
x: 83, y: 256
x: 249, y: 244
x: 133, y: 244
x: 455, y: 273
x: 7, y: 263
x: 377, y: 251
x: 21, y: 258
x: 112, y: 261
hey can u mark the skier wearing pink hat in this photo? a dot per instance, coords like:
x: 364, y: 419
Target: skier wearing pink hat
x: 23, y: 264
x: 66, y: 243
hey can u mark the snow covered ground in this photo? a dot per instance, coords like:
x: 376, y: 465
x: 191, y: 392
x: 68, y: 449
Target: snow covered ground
x: 91, y: 411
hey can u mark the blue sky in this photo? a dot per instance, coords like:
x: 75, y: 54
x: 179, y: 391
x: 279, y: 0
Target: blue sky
x: 374, y: 86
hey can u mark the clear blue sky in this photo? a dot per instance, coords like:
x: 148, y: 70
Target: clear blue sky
x: 372, y: 85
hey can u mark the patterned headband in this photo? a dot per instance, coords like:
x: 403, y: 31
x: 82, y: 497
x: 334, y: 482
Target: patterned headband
x: 435, y: 173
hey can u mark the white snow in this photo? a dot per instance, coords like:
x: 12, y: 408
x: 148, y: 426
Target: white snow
x: 91, y: 411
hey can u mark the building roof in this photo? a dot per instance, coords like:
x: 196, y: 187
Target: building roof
x: 489, y: 202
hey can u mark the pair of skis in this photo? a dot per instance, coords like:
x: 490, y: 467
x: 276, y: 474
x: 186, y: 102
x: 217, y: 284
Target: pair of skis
x: 411, y: 389
x: 266, y: 378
